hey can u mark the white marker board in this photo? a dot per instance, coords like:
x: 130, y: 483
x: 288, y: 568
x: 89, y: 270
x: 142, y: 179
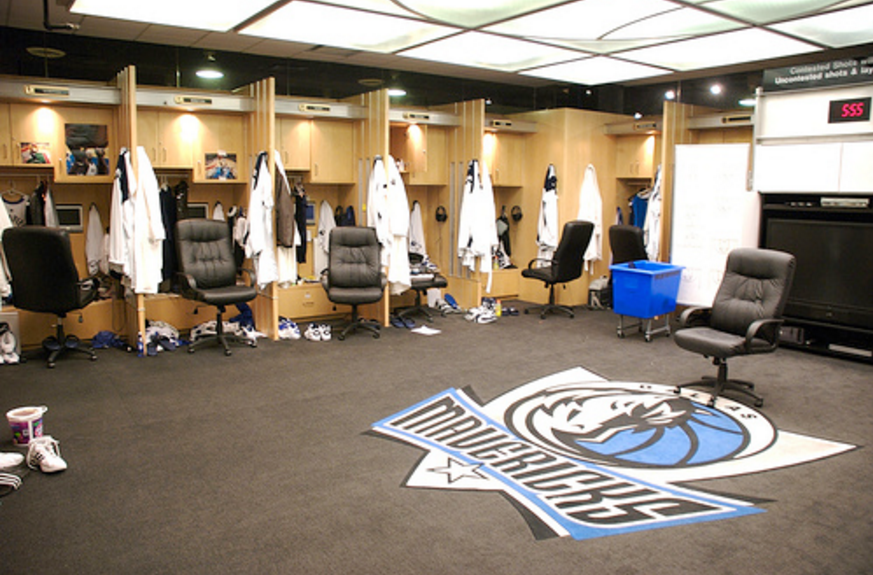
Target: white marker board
x: 713, y: 213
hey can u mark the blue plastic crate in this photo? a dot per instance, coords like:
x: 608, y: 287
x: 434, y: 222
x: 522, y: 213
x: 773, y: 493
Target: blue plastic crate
x: 645, y: 289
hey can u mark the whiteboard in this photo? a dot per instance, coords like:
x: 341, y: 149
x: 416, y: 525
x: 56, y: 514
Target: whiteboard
x: 713, y: 213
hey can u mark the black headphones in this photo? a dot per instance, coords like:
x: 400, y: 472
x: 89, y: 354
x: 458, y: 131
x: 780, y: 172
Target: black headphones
x: 441, y: 214
x: 516, y: 213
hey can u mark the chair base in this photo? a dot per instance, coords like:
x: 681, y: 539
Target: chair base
x: 551, y: 308
x: 419, y: 308
x: 221, y: 337
x: 360, y: 323
x: 60, y: 343
x: 721, y: 384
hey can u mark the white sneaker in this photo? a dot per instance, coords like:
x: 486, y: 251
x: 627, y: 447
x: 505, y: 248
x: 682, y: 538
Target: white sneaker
x: 288, y: 329
x: 9, y: 482
x: 43, y: 452
x: 325, y: 332
x: 7, y: 348
x: 312, y: 333
x: 10, y: 460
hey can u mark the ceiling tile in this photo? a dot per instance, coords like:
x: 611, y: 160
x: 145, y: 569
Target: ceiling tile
x: 228, y: 42
x: 464, y: 13
x: 157, y: 34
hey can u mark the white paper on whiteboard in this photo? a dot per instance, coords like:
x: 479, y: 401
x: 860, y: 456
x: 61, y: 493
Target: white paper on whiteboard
x: 713, y: 213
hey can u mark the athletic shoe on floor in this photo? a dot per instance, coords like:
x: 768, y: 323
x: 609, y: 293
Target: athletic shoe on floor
x: 7, y: 348
x: 325, y: 332
x: 9, y: 482
x: 44, y: 454
x: 288, y: 329
x: 10, y: 460
x: 312, y: 333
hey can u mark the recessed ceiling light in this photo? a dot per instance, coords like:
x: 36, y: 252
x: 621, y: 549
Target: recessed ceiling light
x: 210, y: 74
x: 396, y: 92
x: 41, y: 52
x: 715, y: 89
x: 670, y: 95
x: 370, y: 82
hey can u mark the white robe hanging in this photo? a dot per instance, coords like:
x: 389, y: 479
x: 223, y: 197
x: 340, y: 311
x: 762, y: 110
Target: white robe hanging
x: 398, y: 221
x: 286, y: 256
x: 477, y: 228
x: 148, y: 231
x: 591, y: 210
x: 652, y: 225
x: 321, y: 247
x: 416, y: 232
x: 121, y: 216
x: 259, y: 240
x: 5, y: 222
x: 548, y: 231
x: 94, y: 243
x: 377, y: 207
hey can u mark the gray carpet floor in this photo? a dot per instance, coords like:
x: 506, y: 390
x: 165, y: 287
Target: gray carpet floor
x: 261, y: 462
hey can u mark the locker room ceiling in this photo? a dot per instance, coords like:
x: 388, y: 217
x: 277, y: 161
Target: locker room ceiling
x: 612, y: 55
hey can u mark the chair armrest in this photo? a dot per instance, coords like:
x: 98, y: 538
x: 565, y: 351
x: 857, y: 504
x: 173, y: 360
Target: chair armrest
x: 533, y: 261
x: 250, y: 274
x: 695, y: 316
x: 325, y: 280
x: 384, y: 280
x: 186, y: 282
x: 768, y: 330
x: 89, y: 283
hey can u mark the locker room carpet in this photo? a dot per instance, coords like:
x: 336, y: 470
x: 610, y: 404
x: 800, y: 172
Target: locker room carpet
x: 262, y: 461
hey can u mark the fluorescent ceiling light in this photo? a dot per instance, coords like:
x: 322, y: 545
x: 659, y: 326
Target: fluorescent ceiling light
x: 215, y: 15
x: 492, y: 52
x: 720, y: 50
x: 465, y: 13
x: 760, y: 12
x: 588, y: 20
x: 209, y: 74
x: 836, y: 29
x: 344, y: 28
x: 676, y: 23
x: 593, y: 71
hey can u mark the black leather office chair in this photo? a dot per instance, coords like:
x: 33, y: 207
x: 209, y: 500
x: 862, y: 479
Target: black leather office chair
x: 626, y: 243
x: 208, y: 274
x: 565, y: 265
x: 421, y: 284
x: 45, y: 279
x: 744, y: 318
x: 354, y: 274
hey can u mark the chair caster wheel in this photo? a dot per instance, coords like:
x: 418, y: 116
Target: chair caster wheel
x: 93, y: 358
x: 50, y: 365
x: 572, y: 316
x: 190, y: 349
x: 341, y: 337
x: 376, y: 335
x: 759, y: 403
x: 526, y: 312
x: 227, y: 352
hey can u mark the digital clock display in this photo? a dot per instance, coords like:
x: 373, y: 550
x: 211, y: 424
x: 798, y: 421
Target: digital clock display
x: 854, y: 110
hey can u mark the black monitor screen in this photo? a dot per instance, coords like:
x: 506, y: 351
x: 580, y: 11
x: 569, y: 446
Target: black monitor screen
x: 833, y: 281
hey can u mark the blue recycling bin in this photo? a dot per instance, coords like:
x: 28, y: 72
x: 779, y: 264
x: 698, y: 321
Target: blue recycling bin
x: 645, y: 290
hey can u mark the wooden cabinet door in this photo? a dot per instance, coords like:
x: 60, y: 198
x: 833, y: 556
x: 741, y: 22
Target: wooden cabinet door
x: 508, y: 160
x: 332, y: 149
x: 635, y: 156
x: 294, y: 143
x: 220, y: 133
x: 36, y: 125
x: 434, y: 157
x: 5, y: 136
x: 168, y: 137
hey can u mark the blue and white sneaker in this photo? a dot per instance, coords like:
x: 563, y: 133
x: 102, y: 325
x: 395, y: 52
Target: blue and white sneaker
x: 288, y: 329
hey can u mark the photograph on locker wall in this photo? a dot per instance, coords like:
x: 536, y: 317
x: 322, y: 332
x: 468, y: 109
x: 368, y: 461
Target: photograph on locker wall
x: 86, y: 149
x: 221, y: 166
x: 35, y: 153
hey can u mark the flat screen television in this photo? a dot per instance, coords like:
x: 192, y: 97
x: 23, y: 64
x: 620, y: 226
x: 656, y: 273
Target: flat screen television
x: 833, y: 281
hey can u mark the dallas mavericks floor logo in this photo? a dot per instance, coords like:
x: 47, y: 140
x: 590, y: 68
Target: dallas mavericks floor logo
x: 589, y: 457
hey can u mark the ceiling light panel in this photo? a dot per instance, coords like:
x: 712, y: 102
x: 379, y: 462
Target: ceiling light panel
x: 215, y: 15
x: 835, y: 29
x: 763, y: 11
x: 581, y: 20
x: 685, y: 22
x: 345, y: 28
x: 594, y: 71
x: 464, y: 13
x: 720, y: 50
x: 489, y: 51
